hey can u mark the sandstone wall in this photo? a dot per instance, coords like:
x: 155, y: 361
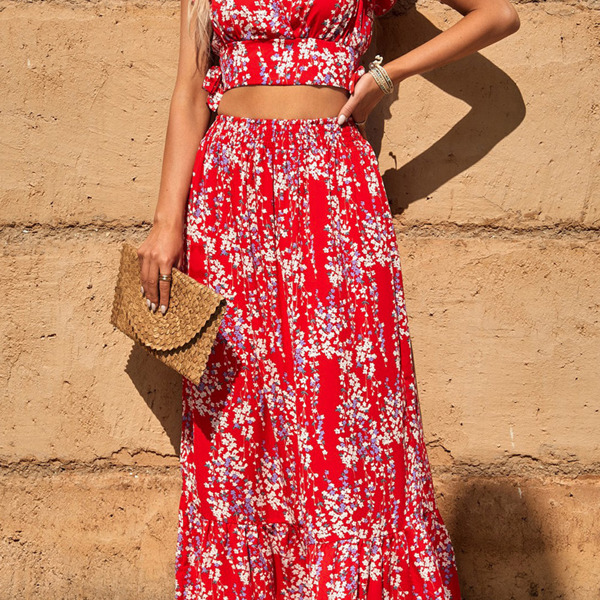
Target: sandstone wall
x: 491, y: 166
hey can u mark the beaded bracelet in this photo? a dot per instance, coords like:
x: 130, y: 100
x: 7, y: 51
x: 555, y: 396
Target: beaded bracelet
x: 380, y: 75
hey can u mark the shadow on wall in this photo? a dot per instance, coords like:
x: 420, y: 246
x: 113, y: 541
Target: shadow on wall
x: 160, y: 387
x: 497, y: 109
x: 504, y: 548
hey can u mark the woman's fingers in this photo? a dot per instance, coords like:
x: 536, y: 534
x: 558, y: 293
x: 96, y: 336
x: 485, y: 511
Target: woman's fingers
x: 164, y: 288
x: 362, y: 129
x: 156, y: 290
x: 144, y: 271
x: 150, y: 282
x: 360, y: 104
x: 346, y: 111
x: 141, y: 264
x: 354, y: 107
x: 157, y: 255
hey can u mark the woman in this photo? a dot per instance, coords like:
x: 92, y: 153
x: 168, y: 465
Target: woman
x: 305, y: 474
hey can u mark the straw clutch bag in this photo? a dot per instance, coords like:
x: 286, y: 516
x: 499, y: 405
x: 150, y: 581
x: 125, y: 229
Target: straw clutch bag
x: 183, y: 337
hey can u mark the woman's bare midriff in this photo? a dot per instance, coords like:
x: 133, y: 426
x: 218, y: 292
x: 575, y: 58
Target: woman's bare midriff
x: 283, y: 101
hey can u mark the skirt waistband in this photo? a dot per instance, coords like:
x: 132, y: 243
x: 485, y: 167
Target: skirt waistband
x: 276, y: 120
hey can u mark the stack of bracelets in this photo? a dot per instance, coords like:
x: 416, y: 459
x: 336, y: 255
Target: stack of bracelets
x: 381, y: 78
x: 380, y: 75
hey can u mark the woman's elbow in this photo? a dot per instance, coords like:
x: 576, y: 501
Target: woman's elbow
x: 509, y: 20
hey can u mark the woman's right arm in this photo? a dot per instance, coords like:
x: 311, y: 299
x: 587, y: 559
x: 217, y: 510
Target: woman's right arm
x: 188, y: 120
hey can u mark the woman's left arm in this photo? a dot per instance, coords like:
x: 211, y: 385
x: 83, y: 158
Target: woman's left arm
x: 484, y: 22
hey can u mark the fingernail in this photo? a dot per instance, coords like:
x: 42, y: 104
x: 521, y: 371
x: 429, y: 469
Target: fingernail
x: 148, y: 302
x: 142, y: 289
x: 341, y: 119
x: 163, y: 309
x: 153, y: 307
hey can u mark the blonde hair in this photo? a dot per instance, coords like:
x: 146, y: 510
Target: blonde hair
x: 199, y: 16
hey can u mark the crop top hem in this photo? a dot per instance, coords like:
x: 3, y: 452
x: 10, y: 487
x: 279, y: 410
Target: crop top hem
x: 281, y: 61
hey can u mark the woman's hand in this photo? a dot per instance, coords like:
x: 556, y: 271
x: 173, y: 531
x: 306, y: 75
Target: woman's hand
x: 162, y: 250
x: 359, y: 105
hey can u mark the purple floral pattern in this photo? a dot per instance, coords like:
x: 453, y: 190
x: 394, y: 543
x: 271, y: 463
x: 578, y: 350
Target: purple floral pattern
x: 304, y: 469
x: 319, y: 42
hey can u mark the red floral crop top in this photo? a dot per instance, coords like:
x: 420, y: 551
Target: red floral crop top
x: 282, y: 42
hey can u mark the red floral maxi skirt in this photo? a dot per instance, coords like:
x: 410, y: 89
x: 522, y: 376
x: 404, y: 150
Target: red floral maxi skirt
x: 305, y: 473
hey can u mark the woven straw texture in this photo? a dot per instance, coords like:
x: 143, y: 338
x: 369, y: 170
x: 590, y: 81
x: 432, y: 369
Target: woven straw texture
x: 183, y: 337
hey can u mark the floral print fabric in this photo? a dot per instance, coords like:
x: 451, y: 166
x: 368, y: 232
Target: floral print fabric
x: 305, y: 474
x: 317, y: 42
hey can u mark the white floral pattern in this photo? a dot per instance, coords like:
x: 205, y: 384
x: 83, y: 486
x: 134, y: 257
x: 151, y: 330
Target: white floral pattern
x: 279, y: 42
x: 305, y: 473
